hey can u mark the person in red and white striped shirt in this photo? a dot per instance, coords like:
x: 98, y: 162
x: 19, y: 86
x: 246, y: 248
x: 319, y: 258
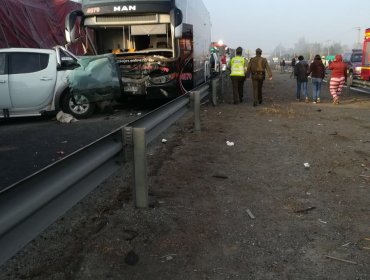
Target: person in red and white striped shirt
x: 338, y: 77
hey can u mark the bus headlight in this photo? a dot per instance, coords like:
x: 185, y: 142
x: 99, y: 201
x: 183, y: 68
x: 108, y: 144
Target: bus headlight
x: 163, y: 79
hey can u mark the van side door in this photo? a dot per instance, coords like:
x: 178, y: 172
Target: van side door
x: 32, y: 78
x: 5, y: 101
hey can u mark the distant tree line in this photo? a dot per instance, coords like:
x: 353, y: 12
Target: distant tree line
x: 309, y: 50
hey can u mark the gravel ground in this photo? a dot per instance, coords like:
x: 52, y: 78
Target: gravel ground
x: 247, y: 211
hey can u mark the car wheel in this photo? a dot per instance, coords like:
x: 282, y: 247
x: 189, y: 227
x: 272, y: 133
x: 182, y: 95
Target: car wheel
x: 78, y: 105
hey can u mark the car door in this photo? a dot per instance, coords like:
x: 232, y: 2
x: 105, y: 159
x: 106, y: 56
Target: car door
x: 32, y: 77
x: 5, y: 102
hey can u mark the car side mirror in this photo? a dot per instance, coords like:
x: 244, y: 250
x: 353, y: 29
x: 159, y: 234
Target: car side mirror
x: 176, y: 22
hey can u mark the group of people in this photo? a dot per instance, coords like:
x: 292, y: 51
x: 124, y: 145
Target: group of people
x: 256, y: 69
x: 317, y: 72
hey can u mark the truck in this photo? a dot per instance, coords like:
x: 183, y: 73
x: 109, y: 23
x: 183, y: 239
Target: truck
x: 353, y: 59
x: 36, y: 81
x: 162, y: 47
x: 35, y: 24
x: 365, y: 69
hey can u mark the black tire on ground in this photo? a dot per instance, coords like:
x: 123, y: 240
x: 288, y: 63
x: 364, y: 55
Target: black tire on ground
x: 78, y: 105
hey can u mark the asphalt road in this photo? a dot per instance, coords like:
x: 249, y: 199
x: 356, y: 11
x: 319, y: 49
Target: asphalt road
x: 29, y: 144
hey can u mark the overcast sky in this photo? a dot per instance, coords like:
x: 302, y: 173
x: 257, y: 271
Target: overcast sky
x: 267, y: 23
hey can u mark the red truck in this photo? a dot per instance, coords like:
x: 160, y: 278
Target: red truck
x: 365, y: 69
x: 35, y: 24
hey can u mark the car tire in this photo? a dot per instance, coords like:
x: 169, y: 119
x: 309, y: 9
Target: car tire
x: 78, y: 105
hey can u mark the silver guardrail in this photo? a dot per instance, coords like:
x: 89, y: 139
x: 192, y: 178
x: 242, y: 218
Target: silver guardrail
x: 360, y: 83
x: 28, y: 207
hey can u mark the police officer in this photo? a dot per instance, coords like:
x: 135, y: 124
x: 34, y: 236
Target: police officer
x: 257, y: 67
x: 238, y: 67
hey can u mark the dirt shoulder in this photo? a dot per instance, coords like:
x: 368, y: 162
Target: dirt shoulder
x: 248, y: 211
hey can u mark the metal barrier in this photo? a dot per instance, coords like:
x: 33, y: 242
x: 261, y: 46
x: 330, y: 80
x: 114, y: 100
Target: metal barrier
x: 28, y: 207
x: 140, y: 133
x: 360, y: 83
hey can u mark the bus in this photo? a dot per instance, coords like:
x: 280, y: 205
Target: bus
x: 365, y: 69
x: 162, y: 47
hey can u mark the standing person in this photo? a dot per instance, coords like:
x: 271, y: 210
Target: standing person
x: 238, y: 67
x: 300, y: 72
x: 292, y: 64
x: 282, y: 66
x: 317, y: 72
x: 338, y: 77
x: 257, y: 67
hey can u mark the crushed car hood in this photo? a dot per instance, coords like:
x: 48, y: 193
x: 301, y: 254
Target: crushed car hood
x: 97, y: 77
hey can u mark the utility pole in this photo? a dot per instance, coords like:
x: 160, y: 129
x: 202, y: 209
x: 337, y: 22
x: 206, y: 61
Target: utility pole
x: 358, y: 44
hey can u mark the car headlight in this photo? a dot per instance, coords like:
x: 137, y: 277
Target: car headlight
x: 163, y: 79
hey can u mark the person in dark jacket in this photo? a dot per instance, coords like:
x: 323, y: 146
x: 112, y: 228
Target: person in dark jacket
x: 257, y: 68
x: 300, y: 72
x: 292, y: 64
x: 317, y: 72
x: 338, y: 77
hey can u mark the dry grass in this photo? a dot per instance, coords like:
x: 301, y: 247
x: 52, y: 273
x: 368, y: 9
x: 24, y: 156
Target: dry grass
x: 276, y: 109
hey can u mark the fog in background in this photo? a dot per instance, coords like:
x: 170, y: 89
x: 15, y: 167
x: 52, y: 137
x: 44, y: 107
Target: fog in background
x: 282, y: 28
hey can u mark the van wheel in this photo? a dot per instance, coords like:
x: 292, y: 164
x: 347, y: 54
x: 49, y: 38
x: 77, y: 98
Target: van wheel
x: 350, y: 79
x: 78, y: 105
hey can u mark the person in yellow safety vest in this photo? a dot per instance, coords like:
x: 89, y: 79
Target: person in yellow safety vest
x: 238, y: 68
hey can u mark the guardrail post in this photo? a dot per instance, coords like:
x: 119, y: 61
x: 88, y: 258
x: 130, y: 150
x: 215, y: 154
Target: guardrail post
x: 140, y: 168
x: 196, y: 103
x: 222, y: 81
x: 213, y: 96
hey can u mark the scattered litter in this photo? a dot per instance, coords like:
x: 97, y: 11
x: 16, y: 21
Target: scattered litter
x: 366, y: 248
x: 250, y: 214
x: 333, y: 133
x: 164, y: 141
x: 307, y: 165
x: 220, y: 176
x: 139, y: 114
x: 341, y: 260
x: 270, y: 120
x: 323, y: 222
x: 61, y: 153
x: 308, y: 193
x: 230, y: 144
x: 319, y: 110
x: 65, y: 118
x: 64, y: 142
x: 305, y: 211
x: 345, y: 245
x: 169, y: 257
